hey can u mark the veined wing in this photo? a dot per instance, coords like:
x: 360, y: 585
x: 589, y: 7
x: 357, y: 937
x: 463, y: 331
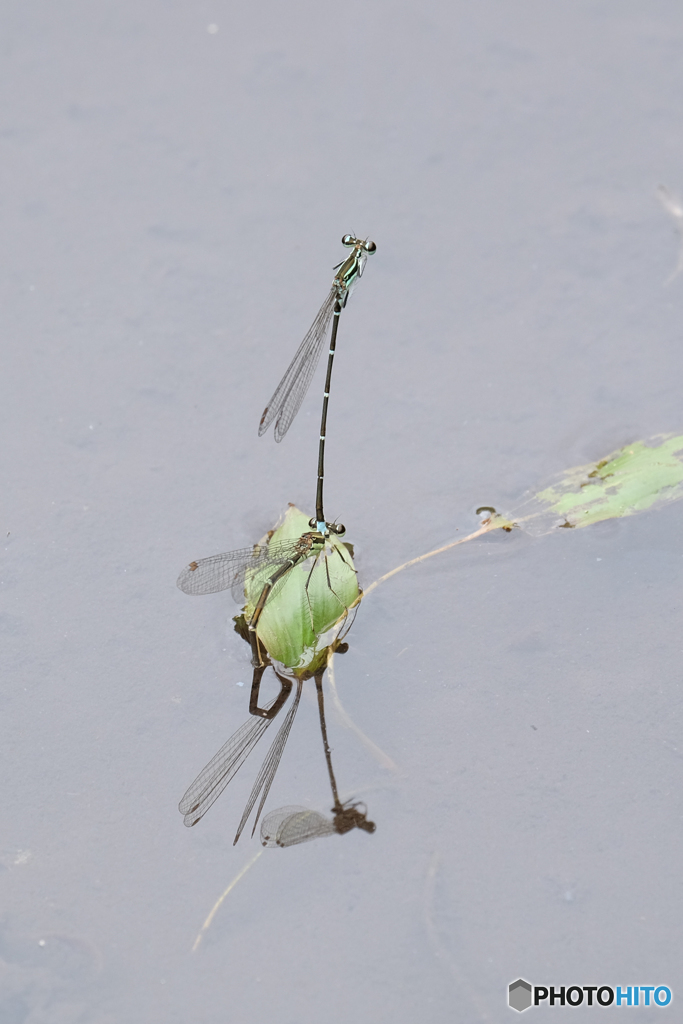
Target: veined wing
x: 264, y: 779
x: 290, y: 392
x: 221, y: 572
x: 213, y: 779
x: 288, y: 826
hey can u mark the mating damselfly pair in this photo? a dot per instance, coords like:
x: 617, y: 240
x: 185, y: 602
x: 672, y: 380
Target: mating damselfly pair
x: 289, y: 826
x: 298, y: 584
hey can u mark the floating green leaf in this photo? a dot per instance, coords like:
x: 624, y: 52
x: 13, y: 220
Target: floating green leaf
x: 639, y: 476
x: 642, y: 475
x: 314, y: 597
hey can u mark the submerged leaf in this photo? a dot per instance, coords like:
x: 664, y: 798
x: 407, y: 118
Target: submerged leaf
x: 640, y: 476
x: 313, y: 597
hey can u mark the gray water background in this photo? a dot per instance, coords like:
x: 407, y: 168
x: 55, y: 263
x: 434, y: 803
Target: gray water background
x: 171, y: 200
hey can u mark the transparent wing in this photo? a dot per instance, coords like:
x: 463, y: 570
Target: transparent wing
x: 229, y: 569
x: 671, y: 203
x: 264, y: 779
x: 274, y: 819
x: 213, y: 779
x: 288, y: 826
x: 290, y: 392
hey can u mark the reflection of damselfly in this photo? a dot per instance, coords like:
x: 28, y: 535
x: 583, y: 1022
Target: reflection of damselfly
x: 285, y: 827
x: 289, y: 826
x: 290, y: 392
x: 265, y: 569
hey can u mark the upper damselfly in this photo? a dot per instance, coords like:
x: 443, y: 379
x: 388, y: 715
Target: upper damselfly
x: 289, y: 394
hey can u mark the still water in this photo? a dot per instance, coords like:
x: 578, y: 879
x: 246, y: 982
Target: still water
x: 176, y: 182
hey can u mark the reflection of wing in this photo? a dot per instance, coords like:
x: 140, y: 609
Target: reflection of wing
x: 671, y: 203
x: 213, y: 779
x: 290, y: 392
x: 288, y: 826
x: 229, y: 569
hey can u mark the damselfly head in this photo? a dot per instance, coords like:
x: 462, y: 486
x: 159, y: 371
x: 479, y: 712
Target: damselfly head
x: 337, y: 528
x: 351, y: 242
x: 348, y: 816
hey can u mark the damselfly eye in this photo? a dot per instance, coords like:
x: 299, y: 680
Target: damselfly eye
x: 339, y: 529
x: 369, y: 246
x: 348, y: 240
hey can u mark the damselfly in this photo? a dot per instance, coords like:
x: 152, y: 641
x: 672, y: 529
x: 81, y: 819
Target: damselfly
x: 265, y: 570
x: 324, y: 587
x: 272, y: 563
x: 290, y: 392
x: 289, y: 826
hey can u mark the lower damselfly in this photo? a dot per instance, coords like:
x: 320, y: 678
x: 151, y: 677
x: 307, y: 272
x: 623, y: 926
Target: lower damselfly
x: 327, y: 580
x: 289, y: 394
